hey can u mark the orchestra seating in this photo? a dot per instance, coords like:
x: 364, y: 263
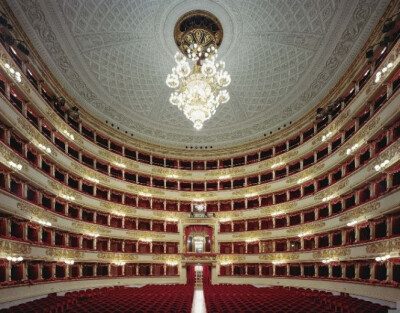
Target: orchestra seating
x: 146, y: 299
x: 250, y: 299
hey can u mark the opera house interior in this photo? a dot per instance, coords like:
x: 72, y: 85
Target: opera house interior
x: 195, y: 156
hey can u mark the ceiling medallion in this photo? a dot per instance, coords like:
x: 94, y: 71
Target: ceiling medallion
x: 198, y: 90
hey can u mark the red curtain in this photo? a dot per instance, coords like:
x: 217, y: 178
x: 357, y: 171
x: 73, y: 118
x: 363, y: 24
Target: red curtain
x: 206, y: 275
x: 191, y: 275
x: 199, y: 229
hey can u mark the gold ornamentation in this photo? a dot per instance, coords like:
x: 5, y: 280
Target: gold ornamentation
x: 34, y: 135
x: 198, y: 195
x: 337, y: 124
x: 359, y: 212
x: 116, y: 208
x: 166, y: 172
x: 386, y: 246
x: 145, y: 190
x: 305, y: 228
x: 87, y: 228
x: 166, y: 257
x: 169, y: 215
x: 333, y: 190
x: 332, y: 253
x: 199, y: 258
x: 360, y: 135
x: 60, y: 125
x: 12, y: 156
x: 117, y: 256
x: 36, y: 212
x: 230, y: 214
x: 252, y: 234
x: 64, y: 253
x: 388, y: 154
x: 223, y: 258
x: 187, y: 31
x: 225, y: 172
x: 307, y: 172
x: 145, y: 235
x: 84, y: 171
x: 11, y: 247
x: 281, y: 208
x: 256, y: 190
x: 279, y: 256
x: 113, y: 158
x: 63, y: 190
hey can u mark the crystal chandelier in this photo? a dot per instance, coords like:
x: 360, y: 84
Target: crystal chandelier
x: 198, y: 89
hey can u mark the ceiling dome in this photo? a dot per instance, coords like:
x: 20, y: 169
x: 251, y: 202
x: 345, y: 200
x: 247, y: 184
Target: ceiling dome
x: 113, y: 57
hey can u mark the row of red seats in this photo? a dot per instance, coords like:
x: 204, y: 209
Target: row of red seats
x: 248, y: 298
x: 147, y: 299
x: 56, y: 304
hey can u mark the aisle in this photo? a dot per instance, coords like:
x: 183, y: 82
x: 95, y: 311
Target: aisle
x: 199, y: 305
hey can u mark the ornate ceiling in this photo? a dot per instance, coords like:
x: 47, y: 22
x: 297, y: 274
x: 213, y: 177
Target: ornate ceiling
x: 114, y: 56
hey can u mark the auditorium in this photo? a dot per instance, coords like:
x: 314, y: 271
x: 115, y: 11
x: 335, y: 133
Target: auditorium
x: 200, y: 156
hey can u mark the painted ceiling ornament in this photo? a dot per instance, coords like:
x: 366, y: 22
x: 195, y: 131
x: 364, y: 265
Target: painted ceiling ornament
x: 198, y: 90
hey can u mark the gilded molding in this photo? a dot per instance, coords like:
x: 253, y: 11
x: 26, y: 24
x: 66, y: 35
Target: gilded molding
x: 234, y: 171
x: 60, y: 125
x: 223, y: 258
x: 10, y: 247
x: 63, y: 190
x: 23, y: 83
x: 64, y: 253
x: 84, y: 171
x: 230, y: 214
x: 252, y: 234
x: 392, y: 245
x: 360, y: 135
x: 145, y: 190
x: 200, y: 195
x: 388, y: 154
x: 305, y: 173
x: 279, y: 256
x: 281, y: 209
x: 34, y: 135
x: 361, y: 211
x: 332, y: 190
x: 333, y: 127
x: 284, y: 158
x: 11, y: 156
x: 311, y: 227
x: 117, y: 256
x: 256, y: 190
x: 116, y: 208
x: 144, y: 234
x: 332, y: 253
x: 199, y: 258
x: 168, y: 214
x: 165, y: 258
x: 86, y: 228
x: 166, y: 172
x: 112, y: 157
x: 36, y: 212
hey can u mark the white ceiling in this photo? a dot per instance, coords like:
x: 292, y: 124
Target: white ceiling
x: 113, y: 56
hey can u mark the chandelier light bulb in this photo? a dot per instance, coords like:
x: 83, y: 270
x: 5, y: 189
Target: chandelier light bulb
x: 197, y: 90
